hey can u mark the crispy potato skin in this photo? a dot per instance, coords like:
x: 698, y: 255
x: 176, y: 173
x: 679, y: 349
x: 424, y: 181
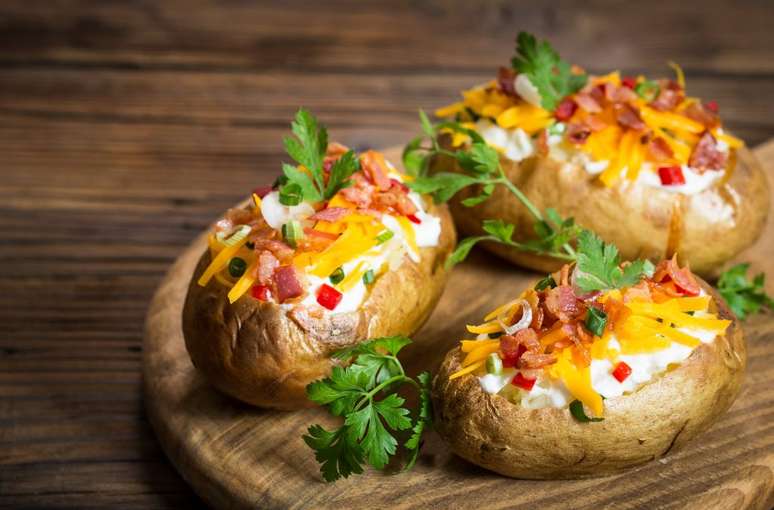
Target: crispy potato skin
x: 549, y: 443
x: 710, y: 227
x: 255, y: 352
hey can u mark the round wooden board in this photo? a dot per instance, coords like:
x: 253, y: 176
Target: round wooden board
x: 236, y: 456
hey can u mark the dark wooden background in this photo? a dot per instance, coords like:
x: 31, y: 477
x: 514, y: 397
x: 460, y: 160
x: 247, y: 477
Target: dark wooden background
x: 127, y: 126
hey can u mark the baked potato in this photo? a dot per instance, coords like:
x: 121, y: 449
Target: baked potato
x: 648, y: 168
x: 282, y: 287
x: 569, y: 395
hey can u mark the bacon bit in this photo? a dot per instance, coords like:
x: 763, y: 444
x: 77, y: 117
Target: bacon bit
x: 706, y: 155
x: 683, y: 279
x: 562, y: 303
x: 577, y: 133
x: 581, y: 355
x: 375, y: 168
x: 396, y: 182
x: 587, y: 103
x: 566, y: 109
x: 262, y: 191
x: 628, y: 117
x: 287, y: 283
x: 669, y: 96
x: 641, y: 291
x: 331, y: 214
x: 223, y: 225
x: 336, y: 150
x: 623, y: 95
x: 317, y: 233
x: 582, y: 334
x: 712, y: 106
x: 542, y: 143
x: 659, y: 149
x: 505, y: 81
x: 360, y: 193
x: 703, y: 114
x: 594, y: 123
x: 562, y: 277
x: 629, y: 82
x: 532, y: 360
x: 264, y: 270
x: 282, y: 251
x: 395, y: 199
x: 239, y: 216
x: 537, y: 311
x: 522, y: 382
x: 513, y: 347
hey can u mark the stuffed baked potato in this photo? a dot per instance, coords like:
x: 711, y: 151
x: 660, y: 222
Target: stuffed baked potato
x: 637, y: 161
x: 287, y: 280
x: 578, y: 384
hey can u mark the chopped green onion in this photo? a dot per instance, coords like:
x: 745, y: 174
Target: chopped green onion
x: 556, y: 128
x: 369, y: 277
x: 596, y: 320
x: 494, y: 365
x: 384, y: 236
x: 292, y: 232
x: 236, y: 267
x: 547, y: 282
x: 238, y: 236
x: 647, y: 90
x: 337, y: 276
x: 291, y: 194
x: 576, y: 409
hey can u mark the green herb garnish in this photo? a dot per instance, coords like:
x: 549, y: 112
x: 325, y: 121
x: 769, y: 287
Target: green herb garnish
x: 576, y: 409
x: 596, y: 320
x: 494, y: 365
x: 743, y: 296
x: 292, y: 232
x: 647, y: 90
x: 384, y: 236
x: 551, y: 75
x: 308, y: 147
x: 599, y: 265
x: 336, y: 276
x: 369, y: 277
x: 365, y: 395
x: 237, y: 267
x: 545, y: 283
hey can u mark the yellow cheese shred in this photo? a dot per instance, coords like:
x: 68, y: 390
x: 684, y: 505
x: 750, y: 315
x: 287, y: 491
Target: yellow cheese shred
x: 467, y: 370
x: 487, y: 327
x: 220, y: 261
x: 243, y: 284
x: 480, y: 353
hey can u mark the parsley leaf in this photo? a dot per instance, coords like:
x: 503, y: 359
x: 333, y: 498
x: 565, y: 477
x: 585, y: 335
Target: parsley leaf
x: 743, y: 296
x: 599, y: 265
x: 341, y: 171
x: 423, y: 421
x: 546, y: 71
x: 363, y: 393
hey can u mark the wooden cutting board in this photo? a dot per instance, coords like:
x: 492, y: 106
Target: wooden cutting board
x: 236, y: 456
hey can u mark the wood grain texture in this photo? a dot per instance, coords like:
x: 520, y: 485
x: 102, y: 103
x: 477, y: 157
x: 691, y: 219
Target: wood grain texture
x: 127, y: 126
x: 242, y: 457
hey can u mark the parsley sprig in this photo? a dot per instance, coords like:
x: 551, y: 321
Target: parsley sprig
x: 364, y: 393
x: 306, y: 182
x: 743, y: 296
x: 551, y: 75
x: 599, y: 265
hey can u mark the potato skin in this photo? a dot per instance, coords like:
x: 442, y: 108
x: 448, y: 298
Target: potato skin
x: 549, y: 443
x: 255, y: 352
x: 710, y: 227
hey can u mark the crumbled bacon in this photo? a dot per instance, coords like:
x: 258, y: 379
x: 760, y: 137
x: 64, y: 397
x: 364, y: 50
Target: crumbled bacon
x: 562, y: 303
x: 566, y: 109
x: 706, y: 155
x: 532, y: 360
x: 577, y: 133
x: 395, y: 198
x: 588, y: 103
x: 375, y: 168
x: 700, y: 113
x: 287, y: 283
x: 669, y: 270
x: 628, y: 117
x: 659, y: 149
x: 239, y: 216
x: 505, y: 81
x: 669, y: 96
x: 331, y: 214
x: 267, y: 263
x: 282, y: 251
x: 360, y: 192
x: 641, y: 291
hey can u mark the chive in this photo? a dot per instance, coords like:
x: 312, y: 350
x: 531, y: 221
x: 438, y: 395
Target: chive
x: 291, y: 232
x: 494, y: 365
x: 337, y: 276
x: 368, y: 277
x: 596, y: 320
x: 384, y: 236
x: 576, y: 408
x: 279, y: 181
x: 291, y: 194
x: 647, y: 90
x: 237, y: 267
x: 547, y: 282
x: 495, y: 335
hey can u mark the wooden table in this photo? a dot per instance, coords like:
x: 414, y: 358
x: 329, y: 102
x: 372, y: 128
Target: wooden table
x: 126, y: 127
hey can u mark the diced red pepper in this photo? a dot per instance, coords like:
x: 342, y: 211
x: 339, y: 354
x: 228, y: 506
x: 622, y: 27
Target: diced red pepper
x: 260, y: 292
x: 522, y: 382
x: 565, y: 109
x: 328, y: 297
x: 413, y: 219
x: 399, y: 184
x: 262, y: 191
x: 622, y: 371
x: 711, y: 106
x: 671, y: 175
x: 629, y: 82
